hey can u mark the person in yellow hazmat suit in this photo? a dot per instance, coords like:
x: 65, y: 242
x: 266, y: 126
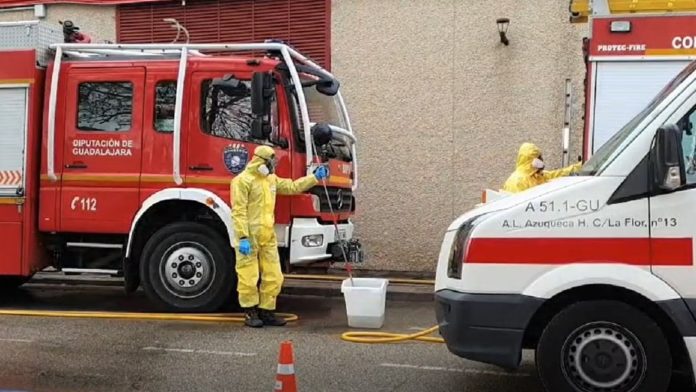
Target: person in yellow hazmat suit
x: 253, y: 194
x: 530, y: 170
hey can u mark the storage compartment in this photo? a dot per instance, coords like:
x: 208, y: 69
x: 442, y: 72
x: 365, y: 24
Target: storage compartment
x: 11, y: 260
x: 32, y: 34
x: 365, y: 301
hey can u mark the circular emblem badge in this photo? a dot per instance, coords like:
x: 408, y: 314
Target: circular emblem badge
x: 235, y: 157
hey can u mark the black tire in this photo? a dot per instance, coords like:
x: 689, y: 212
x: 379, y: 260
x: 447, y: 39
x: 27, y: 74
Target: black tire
x: 591, y: 345
x: 179, y: 249
x: 11, y: 283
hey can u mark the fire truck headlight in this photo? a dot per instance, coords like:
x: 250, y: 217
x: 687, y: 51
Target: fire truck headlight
x: 313, y: 241
x: 316, y: 203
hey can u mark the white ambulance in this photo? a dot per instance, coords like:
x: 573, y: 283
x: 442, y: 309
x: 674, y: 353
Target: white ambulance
x: 595, y: 271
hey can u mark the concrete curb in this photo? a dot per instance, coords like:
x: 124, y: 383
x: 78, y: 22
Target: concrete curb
x: 395, y: 292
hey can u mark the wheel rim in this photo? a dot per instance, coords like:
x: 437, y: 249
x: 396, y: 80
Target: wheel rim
x: 603, y: 357
x: 187, y: 270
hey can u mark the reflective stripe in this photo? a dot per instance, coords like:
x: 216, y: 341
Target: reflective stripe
x: 286, y: 370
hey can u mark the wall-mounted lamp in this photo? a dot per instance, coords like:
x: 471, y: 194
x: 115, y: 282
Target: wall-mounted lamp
x: 503, y: 24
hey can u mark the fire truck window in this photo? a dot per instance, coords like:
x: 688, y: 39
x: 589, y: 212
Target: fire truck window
x: 227, y: 114
x: 105, y: 106
x: 165, y: 99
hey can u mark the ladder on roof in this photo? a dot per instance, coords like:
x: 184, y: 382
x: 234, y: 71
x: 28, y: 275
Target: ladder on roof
x: 182, y: 51
x: 580, y: 10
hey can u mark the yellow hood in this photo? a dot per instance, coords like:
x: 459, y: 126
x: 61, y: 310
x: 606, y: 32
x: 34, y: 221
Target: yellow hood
x: 261, y: 154
x: 528, y: 152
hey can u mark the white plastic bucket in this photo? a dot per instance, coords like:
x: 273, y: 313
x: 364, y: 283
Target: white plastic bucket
x: 366, y: 300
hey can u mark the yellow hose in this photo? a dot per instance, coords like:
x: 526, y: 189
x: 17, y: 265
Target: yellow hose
x: 386, y: 337
x: 216, y: 317
x: 354, y: 337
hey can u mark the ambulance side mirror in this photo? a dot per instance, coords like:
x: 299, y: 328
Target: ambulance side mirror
x: 262, y: 90
x: 668, y: 159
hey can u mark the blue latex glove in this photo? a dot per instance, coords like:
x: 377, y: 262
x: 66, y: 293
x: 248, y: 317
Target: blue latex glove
x: 321, y: 173
x: 245, y: 247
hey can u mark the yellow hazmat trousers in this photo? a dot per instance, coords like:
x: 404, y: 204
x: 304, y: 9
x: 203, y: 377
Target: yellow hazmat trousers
x: 526, y: 176
x: 253, y: 215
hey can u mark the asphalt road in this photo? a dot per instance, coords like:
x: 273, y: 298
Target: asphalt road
x: 54, y: 354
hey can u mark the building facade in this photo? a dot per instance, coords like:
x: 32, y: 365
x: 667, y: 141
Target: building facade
x: 439, y: 103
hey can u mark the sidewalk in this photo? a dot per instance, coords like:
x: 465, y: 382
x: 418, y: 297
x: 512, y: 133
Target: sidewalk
x: 292, y: 286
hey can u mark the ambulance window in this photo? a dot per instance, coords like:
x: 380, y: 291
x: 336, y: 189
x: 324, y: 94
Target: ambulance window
x: 689, y: 145
x: 105, y: 106
x: 227, y: 114
x: 165, y: 100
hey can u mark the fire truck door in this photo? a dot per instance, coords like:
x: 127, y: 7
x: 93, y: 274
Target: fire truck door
x: 102, y: 157
x: 13, y: 129
x: 222, y: 145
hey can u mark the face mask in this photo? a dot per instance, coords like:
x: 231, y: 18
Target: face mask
x: 263, y: 169
x: 268, y: 167
x: 272, y: 163
x: 538, y: 164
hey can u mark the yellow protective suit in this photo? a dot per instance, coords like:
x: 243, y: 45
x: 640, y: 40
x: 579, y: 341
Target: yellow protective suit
x: 527, y: 176
x: 253, y: 214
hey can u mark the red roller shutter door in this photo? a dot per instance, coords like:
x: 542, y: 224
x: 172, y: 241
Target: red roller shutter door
x: 304, y: 24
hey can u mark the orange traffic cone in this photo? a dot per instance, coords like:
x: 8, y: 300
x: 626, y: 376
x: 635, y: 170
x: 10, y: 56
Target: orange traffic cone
x: 285, y: 377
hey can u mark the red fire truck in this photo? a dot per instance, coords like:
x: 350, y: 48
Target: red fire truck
x: 118, y: 159
x: 630, y: 58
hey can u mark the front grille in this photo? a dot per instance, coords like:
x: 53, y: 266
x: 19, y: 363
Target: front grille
x: 341, y: 199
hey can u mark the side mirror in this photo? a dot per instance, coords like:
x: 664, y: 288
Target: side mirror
x: 668, y: 159
x: 231, y: 86
x: 260, y: 129
x: 261, y: 92
x: 328, y: 87
x: 321, y: 133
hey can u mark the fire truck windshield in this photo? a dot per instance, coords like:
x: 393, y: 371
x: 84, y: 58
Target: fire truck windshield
x: 325, y: 109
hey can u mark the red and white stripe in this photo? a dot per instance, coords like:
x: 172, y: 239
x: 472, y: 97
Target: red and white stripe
x: 10, y: 177
x: 555, y: 251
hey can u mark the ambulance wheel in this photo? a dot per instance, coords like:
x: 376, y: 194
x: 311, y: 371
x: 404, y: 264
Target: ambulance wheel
x: 603, y: 346
x: 187, y: 267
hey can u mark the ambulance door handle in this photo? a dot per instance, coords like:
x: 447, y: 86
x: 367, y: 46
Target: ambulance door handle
x: 201, y: 168
x: 76, y: 165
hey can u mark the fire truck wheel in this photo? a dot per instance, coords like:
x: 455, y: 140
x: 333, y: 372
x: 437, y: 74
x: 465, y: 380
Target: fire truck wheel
x: 10, y: 283
x: 603, y: 346
x: 187, y: 267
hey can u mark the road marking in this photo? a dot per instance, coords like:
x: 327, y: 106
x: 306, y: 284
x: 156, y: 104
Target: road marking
x: 16, y: 340
x: 192, y: 351
x: 453, y: 370
x: 237, y: 354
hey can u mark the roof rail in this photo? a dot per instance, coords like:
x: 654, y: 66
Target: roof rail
x: 115, y: 50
